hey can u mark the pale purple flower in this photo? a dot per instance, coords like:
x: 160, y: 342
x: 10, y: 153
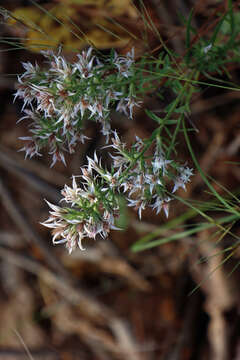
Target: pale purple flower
x: 124, y: 63
x: 160, y: 163
x: 98, y: 109
x: 152, y: 180
x: 31, y: 148
x: 71, y: 194
x: 106, y: 129
x: 119, y: 161
x: 131, y: 103
x: 161, y: 203
x: 24, y: 92
x: 60, y: 66
x: 207, y: 48
x: 139, y: 144
x: 138, y: 204
x: 84, y: 64
x: 122, y: 107
x: 112, y: 95
x: 182, y: 179
x: 57, y: 155
x: 82, y: 105
x: 31, y: 70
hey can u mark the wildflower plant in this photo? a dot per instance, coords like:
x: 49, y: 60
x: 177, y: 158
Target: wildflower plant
x: 95, y: 205
x: 61, y: 97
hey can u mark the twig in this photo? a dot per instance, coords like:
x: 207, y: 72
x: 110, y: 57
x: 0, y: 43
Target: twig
x: 96, y: 310
x: 51, y: 176
x: 23, y: 344
x: 41, y: 354
x: 34, y: 181
x: 65, y: 288
x: 18, y: 216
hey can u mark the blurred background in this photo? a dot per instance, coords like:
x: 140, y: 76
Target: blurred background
x: 110, y: 302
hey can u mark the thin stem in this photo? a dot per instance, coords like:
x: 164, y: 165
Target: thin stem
x: 156, y: 132
x: 219, y: 197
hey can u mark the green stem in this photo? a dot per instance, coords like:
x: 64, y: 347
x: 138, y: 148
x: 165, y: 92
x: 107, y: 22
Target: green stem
x: 180, y: 235
x: 156, y: 132
x: 174, y: 136
x: 219, y: 197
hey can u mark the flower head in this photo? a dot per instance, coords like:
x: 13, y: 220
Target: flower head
x: 65, y: 95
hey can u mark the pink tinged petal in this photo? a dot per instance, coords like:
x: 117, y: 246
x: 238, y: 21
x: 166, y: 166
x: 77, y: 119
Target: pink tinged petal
x: 56, y: 235
x: 57, y: 156
x: 96, y: 158
x: 74, y: 184
x: 73, y: 221
x: 166, y: 209
x: 83, y: 106
x: 177, y: 184
x: 89, y: 52
x: 51, y: 226
x: 26, y: 138
x: 71, y: 241
x: 61, y: 241
x: 53, y: 207
x: 130, y: 54
x: 122, y: 107
x: 113, y: 227
x: 30, y: 148
x: 80, y: 244
x: 157, y: 205
x: 140, y: 212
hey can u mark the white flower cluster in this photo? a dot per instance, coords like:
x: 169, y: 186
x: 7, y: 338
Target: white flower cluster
x: 59, y: 100
x: 92, y: 212
x: 94, y: 205
x: 61, y: 97
x: 145, y: 181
